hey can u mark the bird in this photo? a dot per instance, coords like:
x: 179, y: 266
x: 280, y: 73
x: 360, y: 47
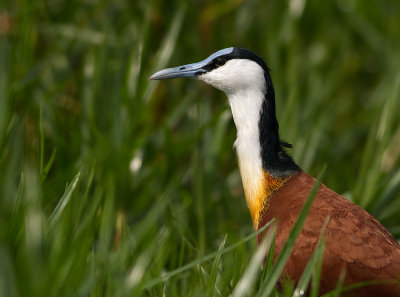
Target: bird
x: 275, y: 187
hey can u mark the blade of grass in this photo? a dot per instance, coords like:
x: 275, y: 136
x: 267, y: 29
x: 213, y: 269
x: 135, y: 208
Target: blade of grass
x: 336, y: 292
x: 312, y: 264
x: 206, y: 258
x: 316, y: 276
x: 342, y: 289
x: 134, y: 280
x: 212, y: 288
x: 270, y: 259
x: 391, y: 190
x: 244, y: 285
x: 48, y: 165
x: 166, y: 49
x: 57, y: 212
x: 41, y: 134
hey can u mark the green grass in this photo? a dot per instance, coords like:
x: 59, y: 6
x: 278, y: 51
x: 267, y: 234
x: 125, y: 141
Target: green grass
x: 113, y: 185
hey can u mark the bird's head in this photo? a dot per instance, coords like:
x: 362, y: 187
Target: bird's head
x: 230, y: 70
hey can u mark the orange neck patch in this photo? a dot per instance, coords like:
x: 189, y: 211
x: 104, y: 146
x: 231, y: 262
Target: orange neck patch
x: 257, y: 195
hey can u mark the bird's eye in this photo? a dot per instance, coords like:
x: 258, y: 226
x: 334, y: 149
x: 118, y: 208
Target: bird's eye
x: 219, y: 61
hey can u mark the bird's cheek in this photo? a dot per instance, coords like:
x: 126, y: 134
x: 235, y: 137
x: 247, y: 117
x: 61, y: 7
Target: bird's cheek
x: 212, y: 80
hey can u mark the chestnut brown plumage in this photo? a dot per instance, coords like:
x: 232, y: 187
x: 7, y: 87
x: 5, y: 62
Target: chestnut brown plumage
x: 355, y: 241
x: 276, y: 187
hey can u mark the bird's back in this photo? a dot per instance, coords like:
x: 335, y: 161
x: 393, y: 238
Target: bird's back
x: 355, y: 241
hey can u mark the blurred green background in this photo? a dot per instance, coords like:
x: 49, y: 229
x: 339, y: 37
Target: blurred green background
x: 109, y: 181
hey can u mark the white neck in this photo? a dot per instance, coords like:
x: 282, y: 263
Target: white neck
x: 244, y: 83
x: 246, y: 107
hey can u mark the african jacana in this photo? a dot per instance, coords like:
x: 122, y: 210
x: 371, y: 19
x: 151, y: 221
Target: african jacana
x: 276, y: 187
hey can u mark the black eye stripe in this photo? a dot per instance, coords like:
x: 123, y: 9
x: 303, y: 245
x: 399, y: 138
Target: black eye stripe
x: 217, y: 62
x: 237, y: 53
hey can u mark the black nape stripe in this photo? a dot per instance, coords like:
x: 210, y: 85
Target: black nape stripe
x: 274, y: 157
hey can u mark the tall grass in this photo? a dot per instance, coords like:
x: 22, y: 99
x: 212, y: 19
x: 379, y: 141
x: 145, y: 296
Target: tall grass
x: 113, y: 185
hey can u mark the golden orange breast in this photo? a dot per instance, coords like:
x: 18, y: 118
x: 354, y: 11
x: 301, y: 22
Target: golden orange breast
x: 258, y: 193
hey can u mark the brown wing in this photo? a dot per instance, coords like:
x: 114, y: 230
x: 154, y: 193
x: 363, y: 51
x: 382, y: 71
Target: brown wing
x: 355, y: 241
